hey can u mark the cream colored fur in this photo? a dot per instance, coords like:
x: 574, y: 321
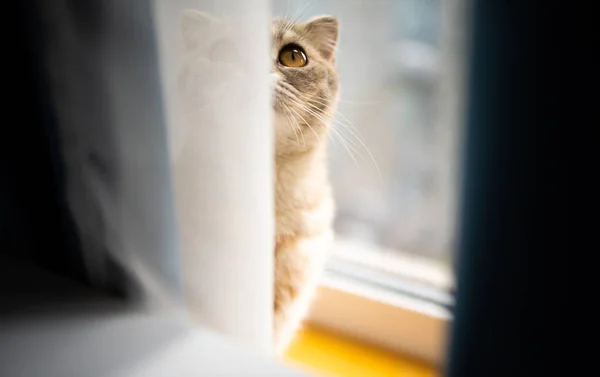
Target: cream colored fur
x: 305, y: 98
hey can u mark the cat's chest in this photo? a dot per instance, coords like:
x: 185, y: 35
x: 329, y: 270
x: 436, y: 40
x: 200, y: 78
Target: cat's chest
x: 303, y: 200
x: 302, y: 210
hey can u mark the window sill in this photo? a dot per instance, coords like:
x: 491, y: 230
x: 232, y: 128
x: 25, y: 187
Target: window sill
x: 412, y: 320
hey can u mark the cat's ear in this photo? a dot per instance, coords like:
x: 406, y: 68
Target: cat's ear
x: 196, y: 26
x: 323, y: 32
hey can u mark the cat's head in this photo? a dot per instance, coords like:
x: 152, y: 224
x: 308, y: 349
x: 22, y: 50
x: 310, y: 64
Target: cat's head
x: 305, y: 82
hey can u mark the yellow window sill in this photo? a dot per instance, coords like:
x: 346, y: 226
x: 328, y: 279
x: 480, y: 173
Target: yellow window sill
x: 324, y: 354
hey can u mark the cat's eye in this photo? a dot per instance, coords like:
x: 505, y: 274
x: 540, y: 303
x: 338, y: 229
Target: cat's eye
x: 292, y: 56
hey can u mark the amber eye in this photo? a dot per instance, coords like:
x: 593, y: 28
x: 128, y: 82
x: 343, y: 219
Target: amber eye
x: 292, y: 56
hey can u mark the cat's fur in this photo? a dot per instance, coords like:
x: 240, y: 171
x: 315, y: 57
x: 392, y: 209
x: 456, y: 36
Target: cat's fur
x: 304, y: 208
x: 303, y: 100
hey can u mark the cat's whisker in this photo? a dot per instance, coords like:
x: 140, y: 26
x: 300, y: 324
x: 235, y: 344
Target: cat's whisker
x: 306, y: 123
x: 290, y: 90
x: 346, y: 147
x: 287, y: 10
x: 287, y: 115
x: 291, y: 20
x: 345, y: 142
x: 291, y: 98
x: 297, y: 126
x: 320, y: 119
x: 300, y: 130
x: 338, y: 113
x: 317, y: 98
x: 297, y: 15
x: 330, y: 115
x: 306, y: 7
x: 348, y: 126
x: 366, y: 149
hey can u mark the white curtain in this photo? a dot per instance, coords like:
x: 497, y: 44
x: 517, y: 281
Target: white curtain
x: 218, y: 110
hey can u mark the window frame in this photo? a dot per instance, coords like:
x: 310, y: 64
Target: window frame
x: 407, y: 322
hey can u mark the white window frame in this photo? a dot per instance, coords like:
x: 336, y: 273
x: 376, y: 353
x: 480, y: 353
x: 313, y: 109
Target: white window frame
x: 381, y: 317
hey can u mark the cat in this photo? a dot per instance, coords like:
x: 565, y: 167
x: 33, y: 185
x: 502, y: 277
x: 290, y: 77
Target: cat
x: 305, y: 97
x: 305, y: 92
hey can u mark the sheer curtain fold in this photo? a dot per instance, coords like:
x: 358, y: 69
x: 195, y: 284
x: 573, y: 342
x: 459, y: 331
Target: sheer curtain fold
x: 218, y: 110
